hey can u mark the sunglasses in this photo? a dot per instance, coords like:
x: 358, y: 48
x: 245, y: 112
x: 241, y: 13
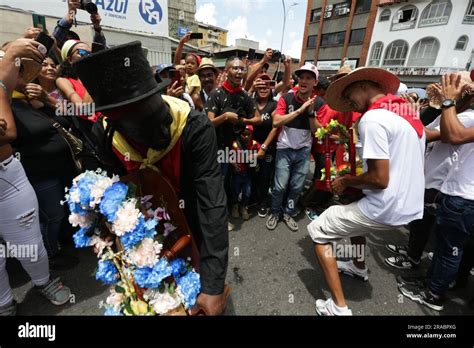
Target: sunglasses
x: 82, y: 52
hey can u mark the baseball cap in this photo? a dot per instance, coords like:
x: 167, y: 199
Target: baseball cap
x: 310, y: 68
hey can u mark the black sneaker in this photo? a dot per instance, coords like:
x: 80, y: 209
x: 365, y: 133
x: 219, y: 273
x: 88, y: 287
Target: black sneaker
x: 422, y: 295
x: 397, y: 249
x: 263, y: 212
x: 412, y: 281
x: 402, y: 262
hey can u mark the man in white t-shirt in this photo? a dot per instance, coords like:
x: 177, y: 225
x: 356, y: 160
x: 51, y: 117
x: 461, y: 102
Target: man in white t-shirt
x: 439, y: 158
x: 393, y: 143
x: 455, y: 216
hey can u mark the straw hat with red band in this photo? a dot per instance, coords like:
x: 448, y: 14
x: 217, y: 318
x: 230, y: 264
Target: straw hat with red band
x: 343, y: 71
x: 334, y: 95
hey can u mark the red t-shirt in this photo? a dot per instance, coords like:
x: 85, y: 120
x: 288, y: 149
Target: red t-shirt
x: 81, y: 92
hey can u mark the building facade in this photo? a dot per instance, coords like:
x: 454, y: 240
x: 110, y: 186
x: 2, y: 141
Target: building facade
x: 214, y: 38
x: 336, y: 30
x: 421, y: 40
x: 181, y: 17
x: 160, y: 48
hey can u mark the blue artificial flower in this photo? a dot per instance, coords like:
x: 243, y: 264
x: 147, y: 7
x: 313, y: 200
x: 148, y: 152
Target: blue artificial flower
x: 107, y: 272
x: 112, y: 199
x: 84, y: 185
x: 80, y: 238
x: 179, y: 267
x: 143, y: 229
x: 190, y: 287
x: 151, y: 277
x: 110, y: 311
x: 74, y: 207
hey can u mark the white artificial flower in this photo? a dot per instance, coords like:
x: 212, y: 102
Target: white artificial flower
x: 80, y: 220
x: 126, y: 218
x: 146, y: 254
x: 98, y: 189
x: 115, y: 300
x: 100, y: 244
x: 74, y: 195
x: 165, y: 302
x: 77, y: 178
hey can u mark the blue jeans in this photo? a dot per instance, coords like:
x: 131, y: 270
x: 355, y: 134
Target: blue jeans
x: 51, y: 212
x: 241, y: 182
x: 454, y: 220
x: 291, y: 168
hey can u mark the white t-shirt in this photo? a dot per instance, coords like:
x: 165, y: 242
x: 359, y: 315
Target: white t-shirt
x: 385, y: 135
x: 439, y: 155
x: 460, y: 177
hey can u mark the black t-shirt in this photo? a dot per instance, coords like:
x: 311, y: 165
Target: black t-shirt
x: 261, y: 131
x: 290, y: 102
x: 43, y: 151
x: 221, y: 101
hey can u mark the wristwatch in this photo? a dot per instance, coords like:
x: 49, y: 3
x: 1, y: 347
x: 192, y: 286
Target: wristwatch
x: 447, y: 103
x: 264, y: 147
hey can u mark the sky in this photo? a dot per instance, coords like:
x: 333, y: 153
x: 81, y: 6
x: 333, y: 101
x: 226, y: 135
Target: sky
x: 259, y: 20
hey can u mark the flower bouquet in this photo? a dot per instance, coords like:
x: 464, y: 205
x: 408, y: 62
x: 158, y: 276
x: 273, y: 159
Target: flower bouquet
x: 129, y: 237
x: 333, y: 128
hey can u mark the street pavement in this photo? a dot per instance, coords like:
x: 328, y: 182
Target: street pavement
x: 270, y: 273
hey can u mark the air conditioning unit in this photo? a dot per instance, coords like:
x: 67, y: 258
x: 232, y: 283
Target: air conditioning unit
x: 328, y: 8
x: 327, y: 14
x: 342, y: 11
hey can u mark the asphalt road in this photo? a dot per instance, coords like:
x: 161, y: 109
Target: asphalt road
x: 270, y: 272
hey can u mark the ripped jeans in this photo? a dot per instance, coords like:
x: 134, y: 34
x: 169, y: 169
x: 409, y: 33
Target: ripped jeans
x: 19, y: 228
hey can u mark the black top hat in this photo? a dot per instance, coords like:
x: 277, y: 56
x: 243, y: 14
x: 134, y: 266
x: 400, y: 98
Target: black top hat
x: 118, y: 76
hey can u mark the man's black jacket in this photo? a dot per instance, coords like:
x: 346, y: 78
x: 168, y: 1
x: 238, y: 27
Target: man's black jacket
x: 202, y: 190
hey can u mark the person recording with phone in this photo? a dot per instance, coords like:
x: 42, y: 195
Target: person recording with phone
x: 176, y: 88
x: 262, y: 67
x: 63, y: 27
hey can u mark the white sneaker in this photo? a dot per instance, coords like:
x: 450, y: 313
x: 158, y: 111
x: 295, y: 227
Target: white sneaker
x: 348, y: 268
x: 329, y: 308
x: 430, y: 256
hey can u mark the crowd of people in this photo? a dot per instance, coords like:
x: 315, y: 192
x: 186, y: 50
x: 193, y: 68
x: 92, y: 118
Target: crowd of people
x: 230, y: 140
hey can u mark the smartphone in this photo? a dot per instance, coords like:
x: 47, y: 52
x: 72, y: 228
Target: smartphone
x: 175, y: 76
x: 96, y: 47
x: 39, y: 21
x: 271, y: 83
x: 251, y: 54
x: 196, y: 36
x: 46, y: 40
